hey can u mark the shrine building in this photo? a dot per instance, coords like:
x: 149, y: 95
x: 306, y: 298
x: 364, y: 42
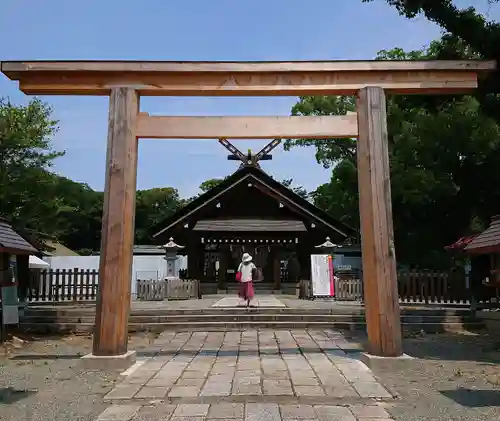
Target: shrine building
x: 251, y: 212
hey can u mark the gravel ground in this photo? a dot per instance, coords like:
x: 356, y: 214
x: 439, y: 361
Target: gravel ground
x: 453, y: 377
x: 42, y: 381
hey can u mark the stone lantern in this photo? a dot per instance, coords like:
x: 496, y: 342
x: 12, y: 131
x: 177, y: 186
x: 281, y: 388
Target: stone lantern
x: 328, y: 247
x: 171, y: 249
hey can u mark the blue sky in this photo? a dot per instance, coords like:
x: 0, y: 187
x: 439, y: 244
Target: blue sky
x: 194, y: 30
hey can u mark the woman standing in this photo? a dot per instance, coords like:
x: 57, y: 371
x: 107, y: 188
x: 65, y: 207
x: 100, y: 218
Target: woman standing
x: 246, y: 269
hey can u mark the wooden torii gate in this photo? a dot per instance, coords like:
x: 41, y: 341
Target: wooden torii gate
x: 125, y: 81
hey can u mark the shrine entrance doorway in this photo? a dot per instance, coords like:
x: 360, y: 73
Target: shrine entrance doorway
x: 279, y: 267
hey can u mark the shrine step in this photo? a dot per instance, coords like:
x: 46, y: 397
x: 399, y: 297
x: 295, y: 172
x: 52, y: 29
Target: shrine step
x: 231, y: 326
x: 246, y: 317
x: 240, y: 319
x: 153, y: 308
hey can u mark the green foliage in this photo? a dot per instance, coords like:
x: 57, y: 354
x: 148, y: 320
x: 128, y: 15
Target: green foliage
x: 152, y: 207
x: 466, y: 28
x: 78, y: 219
x: 328, y: 151
x: 339, y: 197
x: 25, y: 154
x: 442, y: 155
x: 25, y: 135
x: 298, y: 190
x: 36, y: 201
x: 41, y: 203
x: 210, y: 184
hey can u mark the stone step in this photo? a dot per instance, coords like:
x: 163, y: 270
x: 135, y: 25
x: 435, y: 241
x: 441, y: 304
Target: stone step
x: 212, y: 325
x: 49, y: 311
x: 246, y: 317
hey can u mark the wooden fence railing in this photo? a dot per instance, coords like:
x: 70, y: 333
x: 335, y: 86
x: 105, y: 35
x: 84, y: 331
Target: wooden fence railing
x: 428, y: 287
x: 436, y: 287
x: 346, y: 289
x: 349, y: 289
x: 171, y: 289
x: 151, y: 289
x: 63, y: 285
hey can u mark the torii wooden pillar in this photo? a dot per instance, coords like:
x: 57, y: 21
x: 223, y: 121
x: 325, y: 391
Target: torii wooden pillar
x: 125, y: 81
x: 377, y: 235
x: 118, y: 221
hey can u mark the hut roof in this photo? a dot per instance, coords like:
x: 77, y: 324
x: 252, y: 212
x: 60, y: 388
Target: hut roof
x: 12, y: 242
x: 488, y: 241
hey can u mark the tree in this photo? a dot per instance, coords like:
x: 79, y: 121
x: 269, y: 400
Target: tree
x: 466, y: 24
x: 466, y: 27
x: 298, y: 190
x: 339, y: 197
x: 152, y: 207
x: 79, y: 221
x: 328, y: 151
x: 442, y: 154
x: 210, y: 184
x: 26, y: 152
x: 38, y: 202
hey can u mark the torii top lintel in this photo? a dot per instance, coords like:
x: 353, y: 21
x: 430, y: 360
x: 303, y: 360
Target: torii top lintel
x: 292, y: 78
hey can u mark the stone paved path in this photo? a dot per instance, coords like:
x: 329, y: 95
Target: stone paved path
x: 264, y: 301
x: 252, y: 376
x: 246, y: 412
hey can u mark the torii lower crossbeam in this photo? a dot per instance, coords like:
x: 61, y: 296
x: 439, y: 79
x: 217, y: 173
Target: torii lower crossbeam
x: 247, y: 127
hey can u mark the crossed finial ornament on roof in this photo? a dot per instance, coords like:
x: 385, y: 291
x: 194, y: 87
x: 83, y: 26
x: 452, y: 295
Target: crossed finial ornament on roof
x: 249, y: 158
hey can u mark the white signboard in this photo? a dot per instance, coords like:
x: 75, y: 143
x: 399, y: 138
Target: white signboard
x: 322, y: 281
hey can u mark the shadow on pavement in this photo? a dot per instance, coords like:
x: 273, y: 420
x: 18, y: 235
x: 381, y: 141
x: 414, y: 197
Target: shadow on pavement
x: 479, y: 347
x: 473, y: 398
x: 9, y: 395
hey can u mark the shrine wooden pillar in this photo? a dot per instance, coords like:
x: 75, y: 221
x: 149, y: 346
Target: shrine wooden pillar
x: 4, y: 260
x: 223, y: 263
x: 200, y: 261
x: 23, y: 275
x: 276, y: 269
x: 192, y: 259
x: 115, y: 268
x: 375, y: 208
x: 304, y: 255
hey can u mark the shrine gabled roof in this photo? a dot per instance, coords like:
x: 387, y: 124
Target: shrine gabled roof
x: 12, y: 241
x: 252, y: 173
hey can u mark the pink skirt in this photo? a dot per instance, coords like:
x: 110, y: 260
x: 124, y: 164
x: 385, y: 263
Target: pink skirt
x: 246, y: 290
